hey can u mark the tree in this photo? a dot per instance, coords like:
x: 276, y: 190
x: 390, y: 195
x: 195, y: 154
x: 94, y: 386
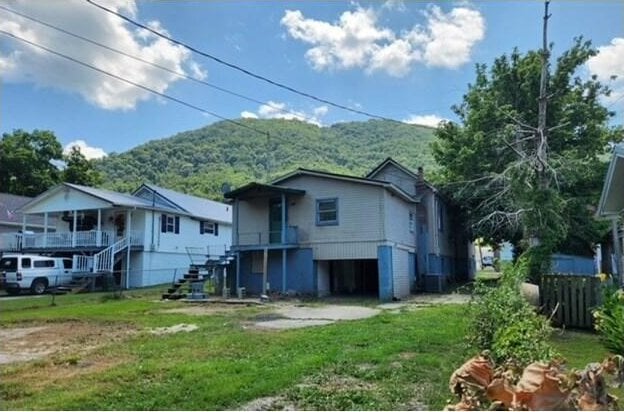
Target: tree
x: 26, y: 166
x: 80, y: 170
x: 511, y: 188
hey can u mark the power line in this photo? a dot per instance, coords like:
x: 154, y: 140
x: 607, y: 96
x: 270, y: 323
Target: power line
x: 140, y: 86
x: 239, y: 68
x: 177, y: 73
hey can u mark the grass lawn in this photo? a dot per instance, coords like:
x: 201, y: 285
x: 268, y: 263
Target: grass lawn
x: 396, y: 360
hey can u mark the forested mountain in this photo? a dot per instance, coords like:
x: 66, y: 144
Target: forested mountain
x: 201, y: 161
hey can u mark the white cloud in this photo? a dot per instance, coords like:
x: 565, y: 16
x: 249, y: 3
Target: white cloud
x: 430, y: 120
x: 607, y: 63
x: 24, y: 63
x: 278, y: 110
x: 357, y: 41
x: 89, y: 152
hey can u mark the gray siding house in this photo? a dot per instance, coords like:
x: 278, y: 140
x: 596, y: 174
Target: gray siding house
x: 322, y: 233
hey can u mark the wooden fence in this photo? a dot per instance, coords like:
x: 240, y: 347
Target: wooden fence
x: 574, y: 298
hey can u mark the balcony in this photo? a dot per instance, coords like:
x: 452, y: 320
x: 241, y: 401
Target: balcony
x: 268, y: 239
x: 93, y: 239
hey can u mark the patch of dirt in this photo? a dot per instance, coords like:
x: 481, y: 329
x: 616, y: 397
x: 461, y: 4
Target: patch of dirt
x: 76, y: 338
x: 328, y: 312
x: 407, y: 355
x: 200, y: 310
x: 181, y: 327
x: 269, y: 403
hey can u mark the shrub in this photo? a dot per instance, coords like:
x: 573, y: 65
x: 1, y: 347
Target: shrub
x: 503, y: 322
x: 610, y: 321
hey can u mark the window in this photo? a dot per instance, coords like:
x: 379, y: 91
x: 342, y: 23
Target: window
x: 25, y: 263
x: 327, y: 212
x: 170, y: 224
x: 412, y: 222
x: 48, y: 263
x: 211, y: 228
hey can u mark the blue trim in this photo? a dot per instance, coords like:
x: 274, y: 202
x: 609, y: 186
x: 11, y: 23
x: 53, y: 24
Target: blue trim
x: 284, y: 271
x: 328, y: 222
x: 384, y: 262
x: 411, y: 267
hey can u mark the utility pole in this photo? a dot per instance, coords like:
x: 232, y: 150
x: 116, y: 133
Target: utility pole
x: 541, y: 132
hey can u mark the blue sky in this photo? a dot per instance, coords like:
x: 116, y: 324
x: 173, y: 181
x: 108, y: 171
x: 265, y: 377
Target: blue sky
x: 405, y: 60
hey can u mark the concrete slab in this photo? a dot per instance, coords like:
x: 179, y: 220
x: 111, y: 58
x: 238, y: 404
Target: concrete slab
x: 329, y: 312
x: 292, y: 323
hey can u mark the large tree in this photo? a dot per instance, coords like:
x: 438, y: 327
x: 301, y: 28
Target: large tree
x: 490, y: 160
x: 26, y: 166
x: 80, y: 170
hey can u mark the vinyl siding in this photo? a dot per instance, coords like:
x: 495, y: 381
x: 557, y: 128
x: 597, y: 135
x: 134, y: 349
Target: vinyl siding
x: 397, y: 221
x: 360, y: 217
x: 399, y: 178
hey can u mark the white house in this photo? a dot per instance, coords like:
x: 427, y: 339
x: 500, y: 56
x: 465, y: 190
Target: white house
x: 145, y: 238
x: 323, y: 233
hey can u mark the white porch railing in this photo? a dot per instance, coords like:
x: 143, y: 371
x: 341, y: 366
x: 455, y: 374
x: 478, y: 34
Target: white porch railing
x: 82, y: 263
x: 64, y: 240
x: 104, y: 261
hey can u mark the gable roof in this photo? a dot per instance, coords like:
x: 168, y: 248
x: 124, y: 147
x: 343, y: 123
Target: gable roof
x: 182, y: 204
x: 11, y: 215
x: 193, y: 205
x: 255, y: 189
x: 352, y: 179
x: 390, y: 161
x: 612, y: 196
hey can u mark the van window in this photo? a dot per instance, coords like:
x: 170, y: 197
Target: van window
x: 67, y: 263
x: 8, y: 264
x: 25, y: 263
x: 48, y: 263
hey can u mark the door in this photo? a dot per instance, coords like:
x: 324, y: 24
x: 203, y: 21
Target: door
x: 275, y: 220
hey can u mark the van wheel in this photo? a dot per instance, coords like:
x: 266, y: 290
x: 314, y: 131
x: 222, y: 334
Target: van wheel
x: 39, y: 286
x: 13, y: 292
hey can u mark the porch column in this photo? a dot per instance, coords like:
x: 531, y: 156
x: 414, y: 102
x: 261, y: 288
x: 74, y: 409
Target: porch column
x: 45, y: 229
x: 283, y: 270
x: 265, y: 268
x: 129, y: 242
x: 237, y: 270
x: 98, y: 234
x: 23, y: 223
x: 73, y: 242
x: 283, y: 218
x: 617, y: 248
x: 236, y: 214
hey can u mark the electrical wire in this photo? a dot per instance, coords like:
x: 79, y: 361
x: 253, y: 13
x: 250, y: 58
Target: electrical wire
x: 174, y: 72
x: 239, y: 68
x: 140, y: 86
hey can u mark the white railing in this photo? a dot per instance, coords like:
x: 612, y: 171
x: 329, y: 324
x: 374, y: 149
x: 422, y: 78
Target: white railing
x: 64, y: 240
x: 105, y: 260
x: 82, y: 263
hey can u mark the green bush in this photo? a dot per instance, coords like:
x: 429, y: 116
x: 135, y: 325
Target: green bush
x: 503, y: 322
x: 610, y: 321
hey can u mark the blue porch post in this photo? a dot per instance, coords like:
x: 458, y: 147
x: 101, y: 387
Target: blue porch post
x: 237, y: 270
x: 283, y: 239
x: 384, y: 263
x: 284, y: 270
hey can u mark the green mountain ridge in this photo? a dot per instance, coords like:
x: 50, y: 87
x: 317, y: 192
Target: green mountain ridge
x: 225, y: 155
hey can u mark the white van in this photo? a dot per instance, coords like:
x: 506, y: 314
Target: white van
x: 34, y: 272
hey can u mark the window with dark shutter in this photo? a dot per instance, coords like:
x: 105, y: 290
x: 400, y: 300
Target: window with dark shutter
x: 216, y: 229
x: 201, y: 228
x: 177, y: 224
x: 163, y: 223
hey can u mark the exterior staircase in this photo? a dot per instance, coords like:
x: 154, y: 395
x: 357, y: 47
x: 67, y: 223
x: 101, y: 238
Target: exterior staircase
x: 194, y: 280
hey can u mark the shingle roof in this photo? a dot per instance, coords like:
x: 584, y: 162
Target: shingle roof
x: 11, y: 215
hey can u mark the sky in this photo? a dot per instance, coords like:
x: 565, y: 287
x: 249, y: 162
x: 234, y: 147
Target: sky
x: 404, y: 60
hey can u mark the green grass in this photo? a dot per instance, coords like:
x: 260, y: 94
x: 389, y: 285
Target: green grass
x: 391, y: 361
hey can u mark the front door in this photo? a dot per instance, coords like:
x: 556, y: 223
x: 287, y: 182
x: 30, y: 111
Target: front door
x: 275, y: 220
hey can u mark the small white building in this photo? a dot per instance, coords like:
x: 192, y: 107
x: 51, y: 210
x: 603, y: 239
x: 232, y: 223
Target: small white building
x: 144, y: 238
